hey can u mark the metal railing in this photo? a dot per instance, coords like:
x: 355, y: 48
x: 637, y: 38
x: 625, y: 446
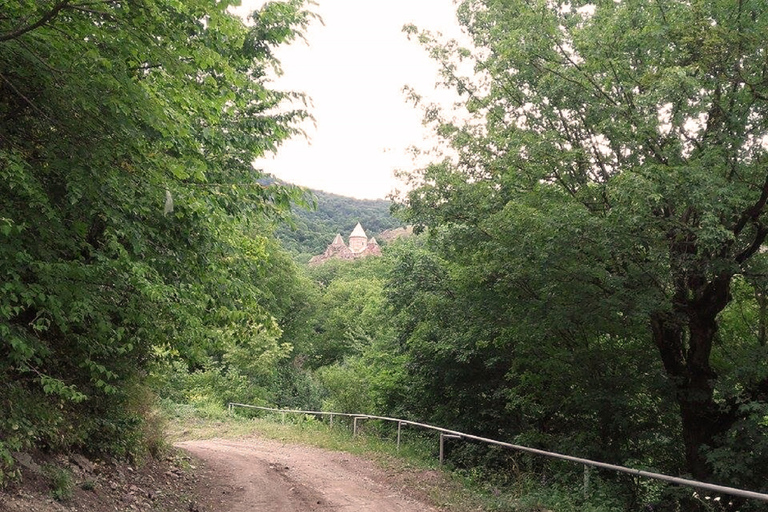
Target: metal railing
x: 452, y: 434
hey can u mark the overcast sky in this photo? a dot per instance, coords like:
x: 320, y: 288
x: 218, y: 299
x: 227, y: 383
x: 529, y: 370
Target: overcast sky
x: 354, y: 68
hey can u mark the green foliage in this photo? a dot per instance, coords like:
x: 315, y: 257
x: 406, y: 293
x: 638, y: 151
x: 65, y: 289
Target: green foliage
x: 129, y: 204
x: 7, y: 471
x: 188, y: 413
x: 350, y: 310
x: 251, y: 363
x: 606, y: 194
x: 742, y: 453
x: 297, y: 387
x: 215, y: 384
x: 60, y: 481
x: 476, y: 360
x: 372, y: 381
x: 29, y: 418
x: 348, y: 385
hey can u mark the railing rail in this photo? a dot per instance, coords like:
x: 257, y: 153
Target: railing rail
x: 453, y: 434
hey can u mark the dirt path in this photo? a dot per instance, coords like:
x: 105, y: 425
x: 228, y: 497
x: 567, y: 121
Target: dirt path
x: 260, y: 475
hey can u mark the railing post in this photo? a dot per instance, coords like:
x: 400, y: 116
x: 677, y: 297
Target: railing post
x: 399, y: 424
x: 443, y: 437
x: 331, y: 420
x: 283, y: 415
x: 354, y: 426
x: 586, y: 480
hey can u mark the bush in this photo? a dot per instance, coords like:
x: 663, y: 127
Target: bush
x: 214, y: 384
x: 742, y: 456
x: 349, y: 388
x: 297, y: 388
x: 60, y: 481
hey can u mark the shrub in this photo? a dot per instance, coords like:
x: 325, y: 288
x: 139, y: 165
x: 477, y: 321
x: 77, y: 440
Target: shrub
x: 60, y: 481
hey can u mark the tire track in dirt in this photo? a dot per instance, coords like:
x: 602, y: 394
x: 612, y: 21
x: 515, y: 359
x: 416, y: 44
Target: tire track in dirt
x: 268, y: 476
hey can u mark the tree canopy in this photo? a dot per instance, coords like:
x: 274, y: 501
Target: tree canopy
x: 611, y: 182
x: 131, y: 219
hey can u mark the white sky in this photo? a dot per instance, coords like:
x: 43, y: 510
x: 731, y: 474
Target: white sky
x: 353, y: 69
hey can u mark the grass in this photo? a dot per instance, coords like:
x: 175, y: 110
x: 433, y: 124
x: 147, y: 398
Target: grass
x: 60, y: 481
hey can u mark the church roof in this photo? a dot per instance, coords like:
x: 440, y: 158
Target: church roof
x: 338, y: 240
x: 358, y: 232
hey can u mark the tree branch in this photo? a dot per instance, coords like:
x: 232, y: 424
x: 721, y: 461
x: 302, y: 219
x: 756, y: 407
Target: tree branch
x: 29, y: 102
x: 39, y: 23
x: 754, y: 211
x: 762, y: 231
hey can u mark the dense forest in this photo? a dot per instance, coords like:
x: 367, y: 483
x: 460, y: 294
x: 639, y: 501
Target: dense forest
x: 588, y: 274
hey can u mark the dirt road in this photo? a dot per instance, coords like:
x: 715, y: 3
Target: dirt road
x: 260, y: 475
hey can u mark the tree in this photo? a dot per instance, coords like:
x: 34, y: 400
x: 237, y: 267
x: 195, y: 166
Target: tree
x: 631, y: 137
x: 494, y: 346
x: 350, y: 309
x: 127, y: 132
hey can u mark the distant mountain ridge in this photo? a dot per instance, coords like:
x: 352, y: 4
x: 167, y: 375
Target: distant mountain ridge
x: 314, y: 230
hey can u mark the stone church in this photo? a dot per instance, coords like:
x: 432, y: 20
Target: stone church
x: 359, y: 247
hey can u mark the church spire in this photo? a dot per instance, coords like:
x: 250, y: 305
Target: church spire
x: 358, y: 232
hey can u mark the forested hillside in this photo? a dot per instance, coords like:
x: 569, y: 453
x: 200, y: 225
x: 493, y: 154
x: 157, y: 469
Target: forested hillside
x: 588, y: 276
x: 312, y: 229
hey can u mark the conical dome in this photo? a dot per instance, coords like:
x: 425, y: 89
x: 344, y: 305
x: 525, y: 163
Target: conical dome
x: 358, y: 240
x: 358, y: 232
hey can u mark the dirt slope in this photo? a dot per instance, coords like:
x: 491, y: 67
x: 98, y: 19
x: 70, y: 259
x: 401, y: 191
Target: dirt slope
x: 269, y: 476
x: 166, y: 485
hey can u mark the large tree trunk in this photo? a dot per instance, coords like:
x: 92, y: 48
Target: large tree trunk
x: 684, y: 339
